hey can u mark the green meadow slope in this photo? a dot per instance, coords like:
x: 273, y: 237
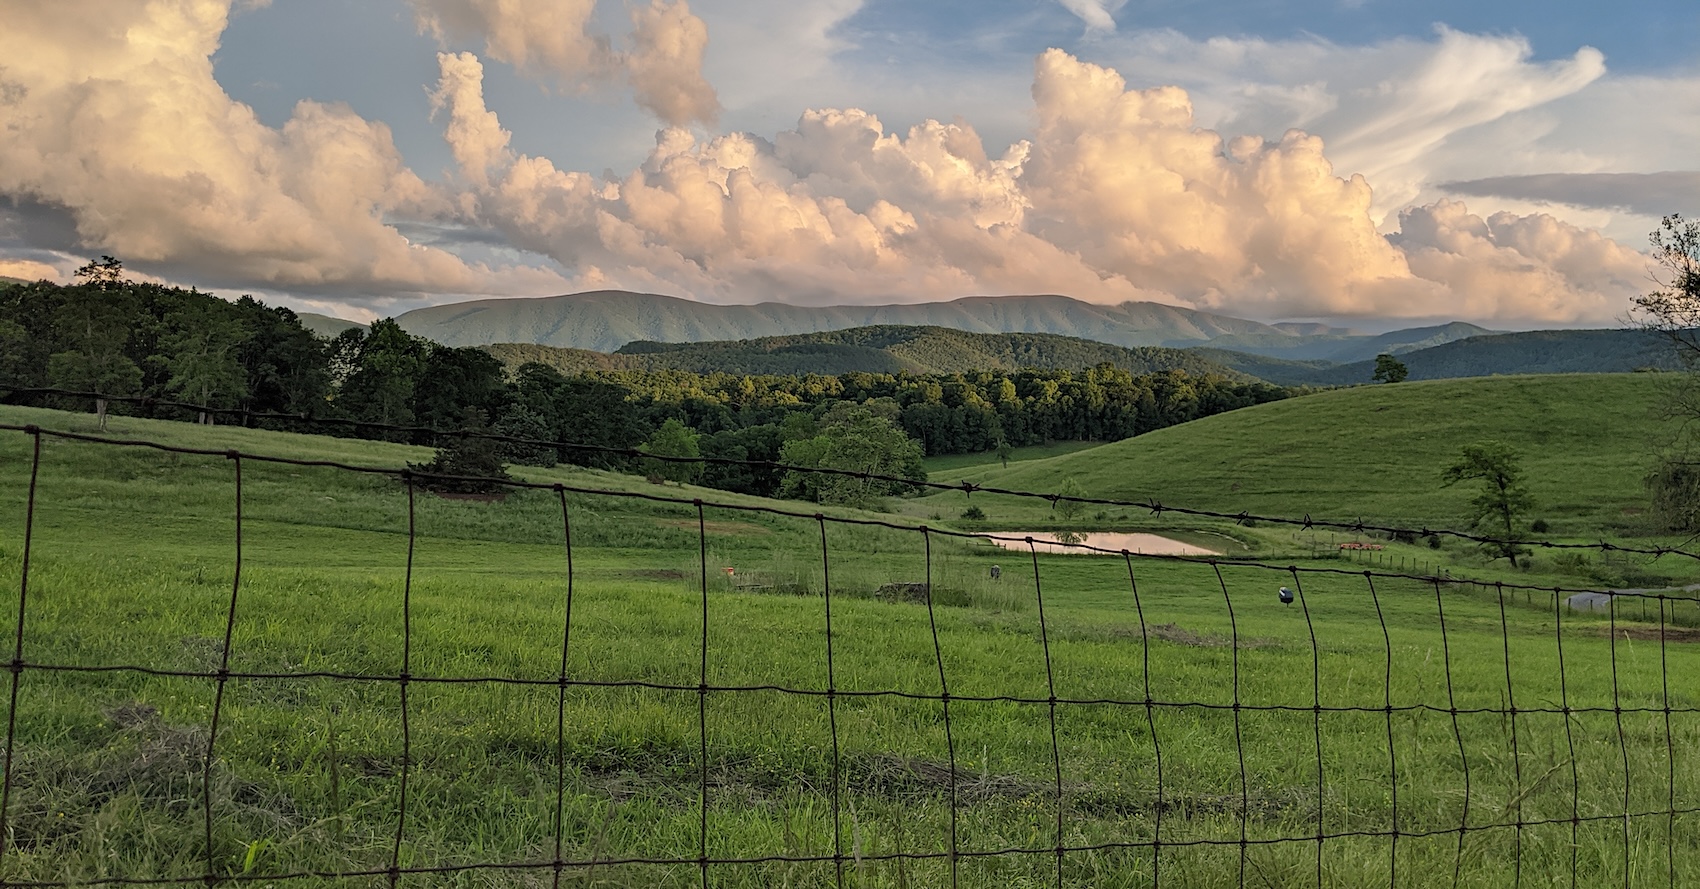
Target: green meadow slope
x: 1377, y: 452
x: 131, y: 564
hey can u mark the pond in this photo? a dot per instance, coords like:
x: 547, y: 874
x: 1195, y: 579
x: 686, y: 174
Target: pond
x: 1133, y: 542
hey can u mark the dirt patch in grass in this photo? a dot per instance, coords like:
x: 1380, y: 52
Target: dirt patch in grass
x: 720, y: 527
x: 1688, y: 635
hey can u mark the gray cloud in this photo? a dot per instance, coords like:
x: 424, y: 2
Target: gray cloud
x: 1648, y: 194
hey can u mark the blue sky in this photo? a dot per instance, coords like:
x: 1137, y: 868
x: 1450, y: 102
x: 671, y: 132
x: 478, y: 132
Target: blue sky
x: 1500, y: 162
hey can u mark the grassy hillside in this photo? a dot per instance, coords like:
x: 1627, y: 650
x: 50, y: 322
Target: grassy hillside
x: 1530, y: 352
x: 132, y: 563
x: 885, y: 349
x: 1377, y: 452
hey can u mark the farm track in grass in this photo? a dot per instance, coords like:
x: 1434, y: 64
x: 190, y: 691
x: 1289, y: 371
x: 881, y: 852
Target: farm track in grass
x: 131, y: 564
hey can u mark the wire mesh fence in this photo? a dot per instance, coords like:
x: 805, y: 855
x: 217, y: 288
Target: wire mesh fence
x: 1382, y: 729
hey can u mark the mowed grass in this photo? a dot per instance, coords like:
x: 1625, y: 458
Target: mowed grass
x: 972, y: 462
x: 1376, y: 453
x: 132, y: 564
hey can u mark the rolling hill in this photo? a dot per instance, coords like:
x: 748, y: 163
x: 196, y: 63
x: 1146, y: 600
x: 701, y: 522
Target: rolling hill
x: 881, y: 349
x: 1375, y: 452
x: 325, y: 325
x: 1347, y: 347
x: 605, y: 320
x: 1530, y: 352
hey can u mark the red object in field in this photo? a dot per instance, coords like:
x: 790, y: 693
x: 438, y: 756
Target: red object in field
x: 728, y: 571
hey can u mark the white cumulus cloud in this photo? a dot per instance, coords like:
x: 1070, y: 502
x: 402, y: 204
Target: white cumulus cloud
x: 1117, y: 194
x: 113, y: 114
x: 551, y: 40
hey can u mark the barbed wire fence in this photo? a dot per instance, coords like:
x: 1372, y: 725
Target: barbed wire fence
x: 1064, y: 846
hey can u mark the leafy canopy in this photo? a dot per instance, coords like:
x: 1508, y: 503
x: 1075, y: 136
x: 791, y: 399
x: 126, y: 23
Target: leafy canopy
x: 1499, y: 508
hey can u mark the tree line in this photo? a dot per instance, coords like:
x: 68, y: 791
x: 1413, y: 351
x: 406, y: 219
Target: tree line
x: 110, y: 335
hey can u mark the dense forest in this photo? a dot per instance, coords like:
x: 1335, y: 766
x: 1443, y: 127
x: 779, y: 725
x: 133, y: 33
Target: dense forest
x: 120, y: 338
x: 880, y: 349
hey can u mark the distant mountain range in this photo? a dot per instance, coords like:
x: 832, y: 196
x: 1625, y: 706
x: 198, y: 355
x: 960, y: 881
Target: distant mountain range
x: 605, y: 320
x: 880, y: 349
x: 616, y: 329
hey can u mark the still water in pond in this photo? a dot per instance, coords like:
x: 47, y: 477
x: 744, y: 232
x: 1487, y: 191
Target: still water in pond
x: 1046, y: 542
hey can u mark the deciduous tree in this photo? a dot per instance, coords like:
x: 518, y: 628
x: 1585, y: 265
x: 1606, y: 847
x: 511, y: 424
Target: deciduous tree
x: 1499, y: 508
x: 1389, y: 369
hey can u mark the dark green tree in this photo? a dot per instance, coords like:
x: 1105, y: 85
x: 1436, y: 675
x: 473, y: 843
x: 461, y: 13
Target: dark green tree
x: 286, y: 365
x: 201, y: 351
x: 520, y: 421
x: 380, y: 389
x: 854, y: 439
x: 673, y: 439
x: 475, y: 464
x: 93, y: 326
x: 107, y: 274
x: 1389, y: 369
x: 1499, y: 509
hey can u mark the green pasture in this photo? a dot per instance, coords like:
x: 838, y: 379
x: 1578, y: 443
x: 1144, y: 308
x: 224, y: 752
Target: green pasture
x: 132, y: 561
x: 1377, y: 452
x: 953, y: 463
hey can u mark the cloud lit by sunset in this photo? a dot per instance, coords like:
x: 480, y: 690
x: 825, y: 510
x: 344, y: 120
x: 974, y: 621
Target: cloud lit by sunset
x: 1432, y: 173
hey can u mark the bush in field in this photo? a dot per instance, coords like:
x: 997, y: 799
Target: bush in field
x: 475, y: 463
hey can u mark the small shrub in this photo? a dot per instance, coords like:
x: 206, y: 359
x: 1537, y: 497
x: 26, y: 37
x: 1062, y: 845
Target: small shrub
x: 474, y: 464
x: 1540, y: 526
x: 974, y: 514
x: 1433, y: 541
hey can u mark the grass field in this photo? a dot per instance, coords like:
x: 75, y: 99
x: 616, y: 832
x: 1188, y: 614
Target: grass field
x: 949, y: 463
x: 1376, y: 453
x: 132, y: 560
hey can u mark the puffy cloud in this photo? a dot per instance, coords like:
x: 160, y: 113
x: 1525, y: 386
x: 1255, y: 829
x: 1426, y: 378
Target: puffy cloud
x: 1113, y: 194
x: 551, y: 40
x: 1533, y: 267
x: 1389, y: 110
x: 1118, y: 194
x: 112, y: 113
x: 541, y: 38
x: 474, y: 135
x: 665, y: 63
